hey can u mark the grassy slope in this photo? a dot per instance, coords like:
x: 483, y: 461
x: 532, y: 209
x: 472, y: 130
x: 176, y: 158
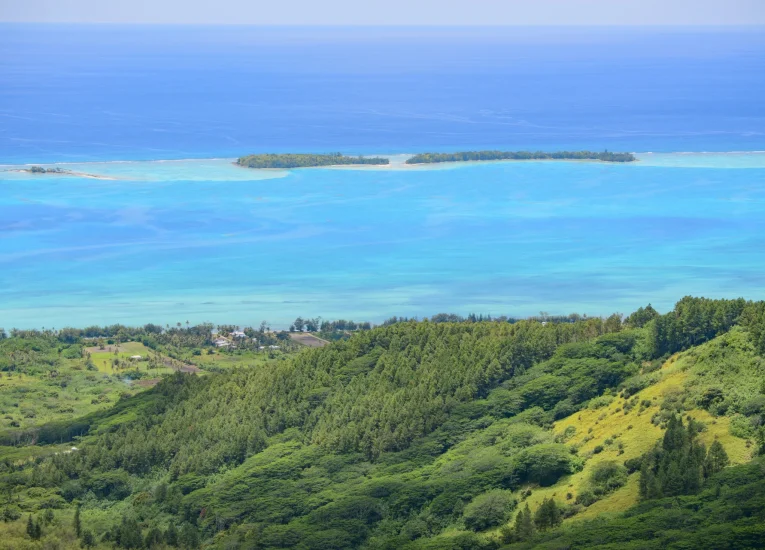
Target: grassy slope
x: 680, y: 374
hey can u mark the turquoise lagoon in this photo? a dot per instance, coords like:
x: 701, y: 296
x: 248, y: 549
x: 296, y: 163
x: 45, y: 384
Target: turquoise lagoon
x: 205, y: 240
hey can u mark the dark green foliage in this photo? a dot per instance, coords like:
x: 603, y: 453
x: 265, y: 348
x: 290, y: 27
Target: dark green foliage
x: 548, y: 515
x: 88, y: 539
x: 760, y: 439
x: 395, y: 437
x: 128, y: 534
x: 607, y: 476
x: 488, y: 510
x: 41, y: 170
x: 641, y: 317
x: 171, y: 535
x: 34, y: 529
x: 77, y: 522
x: 524, y: 524
x: 49, y: 516
x: 726, y: 514
x: 692, y: 322
x: 153, y: 538
x: 11, y: 513
x: 401, y: 395
x: 188, y: 538
x: 544, y: 464
x: 304, y: 160
x: 586, y: 497
x: 716, y: 459
x: 426, y: 158
x: 754, y: 321
x: 677, y: 465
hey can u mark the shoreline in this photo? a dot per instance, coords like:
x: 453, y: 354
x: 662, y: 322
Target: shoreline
x: 397, y: 162
x: 61, y: 173
x: 17, y: 165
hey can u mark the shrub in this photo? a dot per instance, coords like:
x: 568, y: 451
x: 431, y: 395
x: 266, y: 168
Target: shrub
x: 488, y: 510
x: 753, y: 406
x: 607, y: 476
x: 740, y: 426
x: 585, y: 498
x: 545, y: 463
x: 567, y: 434
x: 600, y: 402
x: 113, y: 485
x: 72, y: 352
x: 634, y: 384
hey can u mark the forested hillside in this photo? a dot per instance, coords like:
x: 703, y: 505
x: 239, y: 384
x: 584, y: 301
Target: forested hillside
x: 455, y: 434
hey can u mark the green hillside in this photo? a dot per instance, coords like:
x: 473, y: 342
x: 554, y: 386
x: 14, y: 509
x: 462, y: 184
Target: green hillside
x: 421, y: 435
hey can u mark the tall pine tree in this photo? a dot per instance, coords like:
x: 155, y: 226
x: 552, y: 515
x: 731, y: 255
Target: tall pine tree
x: 547, y: 515
x: 524, y: 526
x: 77, y: 523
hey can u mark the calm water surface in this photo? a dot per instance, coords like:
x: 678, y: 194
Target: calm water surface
x: 204, y: 240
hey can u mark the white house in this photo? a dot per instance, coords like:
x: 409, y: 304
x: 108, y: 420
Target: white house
x: 221, y: 343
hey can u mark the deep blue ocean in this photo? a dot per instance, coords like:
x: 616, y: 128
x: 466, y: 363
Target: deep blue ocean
x: 202, y: 240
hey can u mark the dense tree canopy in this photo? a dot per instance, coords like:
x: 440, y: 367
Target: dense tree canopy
x: 415, y: 434
x: 297, y: 160
x: 466, y: 156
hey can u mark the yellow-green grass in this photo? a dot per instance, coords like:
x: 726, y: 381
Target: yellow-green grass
x: 637, y: 434
x: 228, y: 361
x: 33, y: 400
x: 68, y: 391
x: 102, y: 359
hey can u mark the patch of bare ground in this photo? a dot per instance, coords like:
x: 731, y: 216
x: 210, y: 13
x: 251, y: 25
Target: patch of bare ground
x: 308, y: 340
x: 179, y: 365
x: 149, y: 383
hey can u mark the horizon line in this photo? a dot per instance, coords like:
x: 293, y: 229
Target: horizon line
x: 395, y: 25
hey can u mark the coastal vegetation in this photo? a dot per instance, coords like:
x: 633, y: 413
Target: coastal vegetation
x: 469, y: 156
x: 295, y: 160
x: 638, y: 431
x: 57, y: 171
x: 41, y: 170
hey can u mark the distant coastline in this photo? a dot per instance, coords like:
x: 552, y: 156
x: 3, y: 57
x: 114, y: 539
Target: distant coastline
x: 475, y: 156
x: 300, y: 160
x: 35, y: 170
x: 110, y: 169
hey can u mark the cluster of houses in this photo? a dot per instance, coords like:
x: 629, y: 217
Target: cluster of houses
x: 223, y: 342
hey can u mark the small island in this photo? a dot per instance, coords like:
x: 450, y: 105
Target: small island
x: 56, y: 171
x: 41, y: 170
x: 469, y: 156
x: 298, y: 160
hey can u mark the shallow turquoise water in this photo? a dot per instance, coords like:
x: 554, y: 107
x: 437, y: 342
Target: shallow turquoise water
x: 203, y: 240
x: 170, y: 241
